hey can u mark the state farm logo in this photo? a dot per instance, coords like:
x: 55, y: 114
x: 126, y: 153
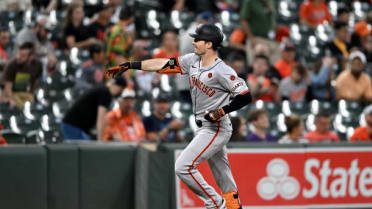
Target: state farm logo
x: 278, y: 182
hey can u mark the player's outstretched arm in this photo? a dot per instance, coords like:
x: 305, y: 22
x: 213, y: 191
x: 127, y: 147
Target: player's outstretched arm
x: 151, y: 65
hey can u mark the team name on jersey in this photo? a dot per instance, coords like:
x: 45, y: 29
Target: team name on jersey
x: 202, y: 87
x: 237, y: 86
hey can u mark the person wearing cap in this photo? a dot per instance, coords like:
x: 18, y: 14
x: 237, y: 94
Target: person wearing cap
x: 339, y: 47
x: 91, y: 72
x: 287, y: 62
x: 89, y: 111
x: 21, y: 76
x: 123, y: 123
x: 364, y: 133
x: 322, y: 132
x: 354, y: 84
x: 161, y: 126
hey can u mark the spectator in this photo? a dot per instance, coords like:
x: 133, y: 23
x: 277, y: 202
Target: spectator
x: 45, y: 6
x: 343, y: 15
x: 169, y: 45
x: 295, y: 128
x: 89, y: 110
x: 21, y: 76
x: 339, y: 47
x: 237, y: 40
x: 258, y: 19
x: 4, y: 43
x: 120, y: 38
x: 314, y: 12
x: 91, y: 73
x: 321, y: 77
x: 354, y: 84
x: 123, y: 124
x: 360, y: 35
x: 294, y: 88
x: 287, y: 62
x: 161, y: 127
x: 364, y: 133
x: 322, y: 131
x: 2, y: 140
x: 260, y: 121
x: 239, y: 129
x: 367, y: 50
x: 237, y: 62
x: 260, y: 86
x: 38, y: 35
x: 74, y: 31
x: 98, y: 28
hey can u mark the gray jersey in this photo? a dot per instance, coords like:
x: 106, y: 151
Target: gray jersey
x: 210, y: 87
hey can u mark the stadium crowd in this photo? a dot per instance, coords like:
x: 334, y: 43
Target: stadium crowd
x: 308, y: 64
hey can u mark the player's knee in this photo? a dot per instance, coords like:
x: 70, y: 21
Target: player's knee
x: 180, y: 168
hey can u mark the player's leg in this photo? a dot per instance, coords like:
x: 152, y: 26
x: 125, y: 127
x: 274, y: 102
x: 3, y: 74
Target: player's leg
x: 220, y: 167
x: 204, y: 145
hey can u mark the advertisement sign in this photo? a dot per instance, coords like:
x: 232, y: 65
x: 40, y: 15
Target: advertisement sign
x: 294, y: 178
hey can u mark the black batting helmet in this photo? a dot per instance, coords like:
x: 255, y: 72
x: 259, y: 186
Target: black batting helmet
x: 209, y: 32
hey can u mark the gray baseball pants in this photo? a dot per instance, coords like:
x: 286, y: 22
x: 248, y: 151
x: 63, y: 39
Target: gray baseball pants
x: 208, y: 144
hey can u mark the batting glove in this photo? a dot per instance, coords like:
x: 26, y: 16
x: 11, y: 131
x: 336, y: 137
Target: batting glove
x: 114, y: 71
x: 214, y: 115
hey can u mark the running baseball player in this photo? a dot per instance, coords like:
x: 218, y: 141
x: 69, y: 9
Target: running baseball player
x: 216, y: 90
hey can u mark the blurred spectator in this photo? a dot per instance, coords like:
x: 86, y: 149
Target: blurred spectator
x: 120, y: 38
x: 15, y: 5
x: 364, y: 133
x: 169, y: 45
x: 361, y: 32
x: 339, y: 46
x: 367, y: 50
x: 75, y: 33
x: 38, y: 35
x: 160, y: 126
x: 4, y: 49
x: 281, y: 33
x: 322, y: 132
x: 260, y: 121
x: 258, y: 20
x: 2, y: 140
x: 185, y: 39
x: 354, y: 84
x: 295, y: 128
x: 116, y: 4
x: 124, y: 124
x: 321, y: 77
x: 294, y: 87
x: 90, y: 110
x: 343, y: 15
x: 237, y: 62
x: 21, y: 76
x: 239, y: 129
x: 45, y: 6
x: 314, y: 12
x: 98, y: 28
x: 91, y: 72
x: 287, y: 61
x: 260, y: 86
x: 237, y: 40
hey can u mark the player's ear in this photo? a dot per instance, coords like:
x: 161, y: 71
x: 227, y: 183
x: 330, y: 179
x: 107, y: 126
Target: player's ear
x: 209, y: 44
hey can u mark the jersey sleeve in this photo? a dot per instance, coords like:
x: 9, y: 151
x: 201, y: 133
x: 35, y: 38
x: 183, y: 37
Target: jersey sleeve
x: 185, y: 62
x: 230, y: 81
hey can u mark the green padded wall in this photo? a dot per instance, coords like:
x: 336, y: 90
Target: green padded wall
x: 106, y: 177
x: 63, y: 175
x: 23, y: 180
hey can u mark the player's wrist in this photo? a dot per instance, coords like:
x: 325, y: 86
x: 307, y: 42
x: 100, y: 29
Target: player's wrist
x: 135, y: 65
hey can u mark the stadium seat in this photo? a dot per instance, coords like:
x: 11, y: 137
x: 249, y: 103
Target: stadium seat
x: 13, y: 138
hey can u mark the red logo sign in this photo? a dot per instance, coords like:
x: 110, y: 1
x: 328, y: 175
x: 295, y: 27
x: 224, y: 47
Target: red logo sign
x: 295, y: 178
x: 209, y: 75
x: 232, y: 77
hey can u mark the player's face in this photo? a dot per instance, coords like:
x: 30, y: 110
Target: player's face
x: 323, y: 124
x: 200, y: 46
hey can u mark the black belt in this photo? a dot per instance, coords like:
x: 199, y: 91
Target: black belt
x: 199, y: 123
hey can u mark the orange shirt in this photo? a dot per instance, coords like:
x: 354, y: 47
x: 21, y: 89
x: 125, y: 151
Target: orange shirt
x: 349, y: 88
x: 268, y: 97
x: 3, y: 55
x: 161, y: 53
x: 315, y: 13
x: 316, y: 137
x: 124, y: 127
x: 284, y: 68
x: 360, y: 134
x: 237, y: 36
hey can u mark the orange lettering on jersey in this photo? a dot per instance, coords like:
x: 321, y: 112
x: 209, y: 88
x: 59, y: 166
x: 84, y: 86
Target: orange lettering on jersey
x: 202, y: 87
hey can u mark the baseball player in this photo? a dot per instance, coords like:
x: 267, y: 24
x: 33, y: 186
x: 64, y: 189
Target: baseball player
x: 216, y: 90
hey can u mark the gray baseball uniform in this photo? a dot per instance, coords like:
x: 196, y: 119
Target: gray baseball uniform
x: 211, y: 88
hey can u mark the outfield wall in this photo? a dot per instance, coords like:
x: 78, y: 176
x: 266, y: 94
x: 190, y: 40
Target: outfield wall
x: 122, y: 176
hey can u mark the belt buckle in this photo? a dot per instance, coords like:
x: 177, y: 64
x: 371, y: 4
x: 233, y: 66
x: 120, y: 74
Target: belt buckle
x: 199, y: 123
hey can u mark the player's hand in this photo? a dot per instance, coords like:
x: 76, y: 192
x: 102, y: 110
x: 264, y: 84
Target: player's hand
x: 214, y: 115
x: 114, y: 71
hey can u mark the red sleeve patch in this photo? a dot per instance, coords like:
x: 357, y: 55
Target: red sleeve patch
x: 232, y: 77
